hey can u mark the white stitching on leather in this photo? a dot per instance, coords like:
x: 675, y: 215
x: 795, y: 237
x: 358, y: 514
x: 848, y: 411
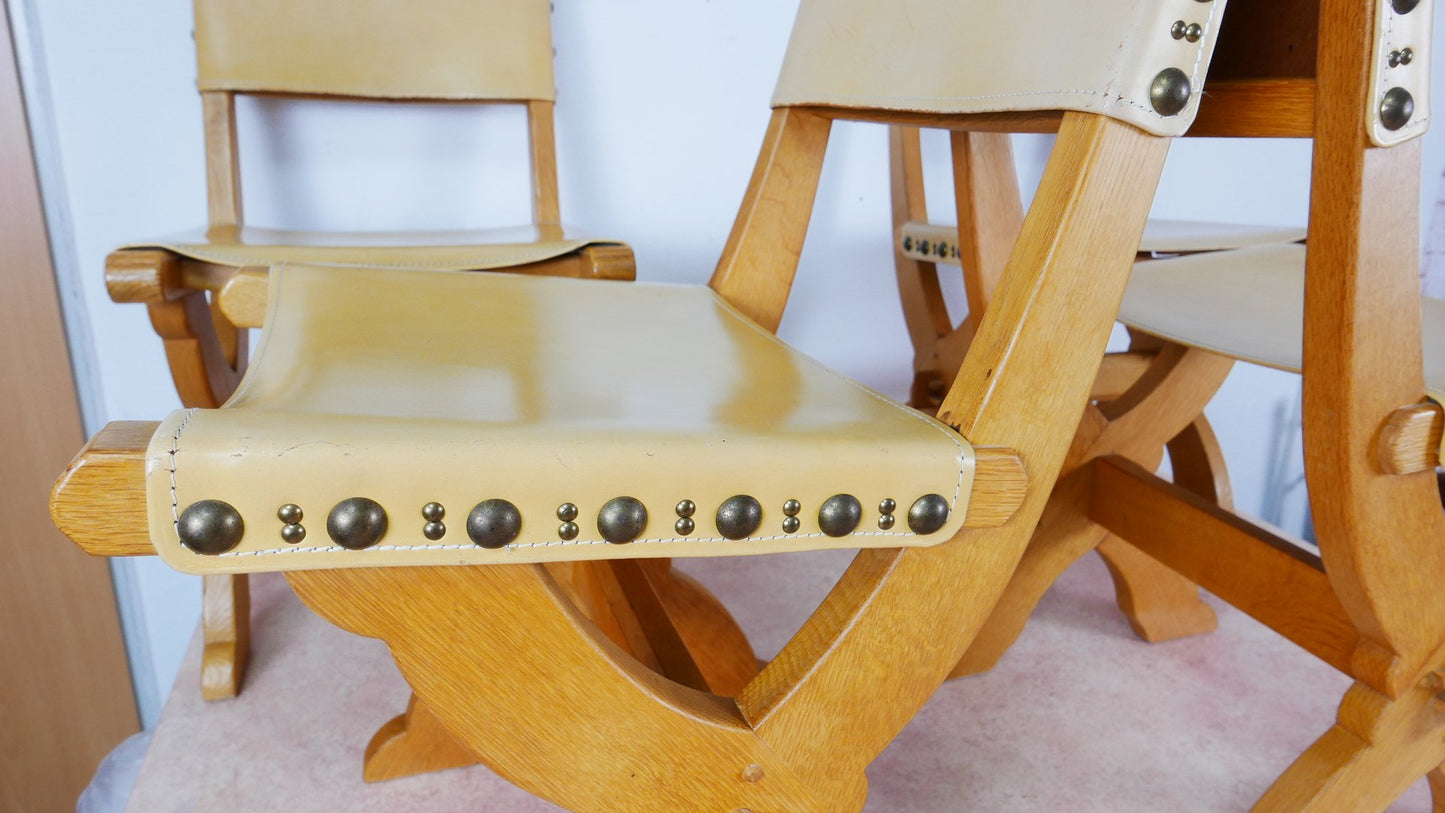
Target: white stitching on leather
x: 1199, y: 52
x: 1381, y: 71
x: 557, y: 543
x: 176, y: 447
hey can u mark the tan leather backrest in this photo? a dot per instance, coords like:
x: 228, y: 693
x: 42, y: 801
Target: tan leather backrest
x: 1135, y: 60
x: 392, y: 49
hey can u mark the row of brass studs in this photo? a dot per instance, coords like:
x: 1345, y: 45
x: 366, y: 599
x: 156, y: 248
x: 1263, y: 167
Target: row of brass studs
x: 212, y: 527
x: 1398, y: 105
x: 1170, y: 91
x: 941, y: 248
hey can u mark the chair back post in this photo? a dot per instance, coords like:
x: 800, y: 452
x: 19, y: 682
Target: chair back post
x: 755, y: 272
x: 990, y: 212
x: 223, y: 173
x: 1362, y: 285
x: 542, y: 150
x: 445, y: 51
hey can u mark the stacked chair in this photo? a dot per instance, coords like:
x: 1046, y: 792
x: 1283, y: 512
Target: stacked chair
x: 1344, y: 309
x: 476, y: 53
x: 458, y: 446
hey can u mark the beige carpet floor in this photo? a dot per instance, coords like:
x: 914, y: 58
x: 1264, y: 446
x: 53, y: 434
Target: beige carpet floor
x: 1079, y: 716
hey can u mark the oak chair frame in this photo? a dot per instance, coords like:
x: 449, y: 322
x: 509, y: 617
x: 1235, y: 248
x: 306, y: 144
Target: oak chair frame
x: 799, y: 733
x: 1369, y: 603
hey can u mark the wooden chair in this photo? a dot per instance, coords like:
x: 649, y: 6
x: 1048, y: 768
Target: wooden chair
x: 1347, y: 312
x: 452, y: 52
x: 586, y: 422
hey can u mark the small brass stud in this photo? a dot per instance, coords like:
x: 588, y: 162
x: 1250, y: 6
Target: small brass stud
x: 684, y: 526
x: 885, y: 522
x: 840, y: 514
x: 290, y: 513
x: 1194, y: 32
x: 739, y: 516
x: 791, y: 508
x: 622, y: 519
x: 433, y: 512
x: 791, y: 525
x: 1404, y: 6
x: 1406, y: 56
x: 923, y: 246
x: 1396, y: 108
x: 887, y: 506
x: 1393, y: 59
x: 928, y: 513
x: 293, y: 532
x: 494, y: 523
x: 907, y: 243
x: 356, y: 523
x: 568, y: 530
x: 1177, y: 30
x: 685, y: 508
x: 753, y: 773
x: 566, y: 512
x: 1169, y: 92
x: 434, y: 530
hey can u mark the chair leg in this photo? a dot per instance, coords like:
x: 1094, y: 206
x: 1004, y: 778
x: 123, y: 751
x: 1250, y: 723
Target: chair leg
x: 414, y: 742
x: 1437, y: 789
x: 1064, y: 534
x: 226, y: 631
x: 410, y: 743
x: 1162, y: 605
x: 1377, y: 748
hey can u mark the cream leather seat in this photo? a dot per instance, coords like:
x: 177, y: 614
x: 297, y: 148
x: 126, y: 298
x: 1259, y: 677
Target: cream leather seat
x: 455, y: 250
x: 542, y: 420
x: 1248, y: 304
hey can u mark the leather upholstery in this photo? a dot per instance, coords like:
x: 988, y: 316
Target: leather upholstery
x: 435, y: 49
x: 459, y: 250
x: 922, y: 55
x: 1188, y: 236
x: 1247, y: 304
x: 413, y: 387
x: 932, y: 243
x: 1393, y: 33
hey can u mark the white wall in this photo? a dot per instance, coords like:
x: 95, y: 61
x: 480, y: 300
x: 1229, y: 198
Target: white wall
x: 662, y: 108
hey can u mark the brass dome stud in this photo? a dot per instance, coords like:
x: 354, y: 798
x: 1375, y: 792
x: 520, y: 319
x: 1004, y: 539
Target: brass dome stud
x: 840, y: 515
x: 356, y: 523
x: 210, y: 527
x: 739, y: 516
x: 1396, y: 108
x: 494, y: 523
x: 1169, y: 92
x: 927, y: 514
x: 622, y: 519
